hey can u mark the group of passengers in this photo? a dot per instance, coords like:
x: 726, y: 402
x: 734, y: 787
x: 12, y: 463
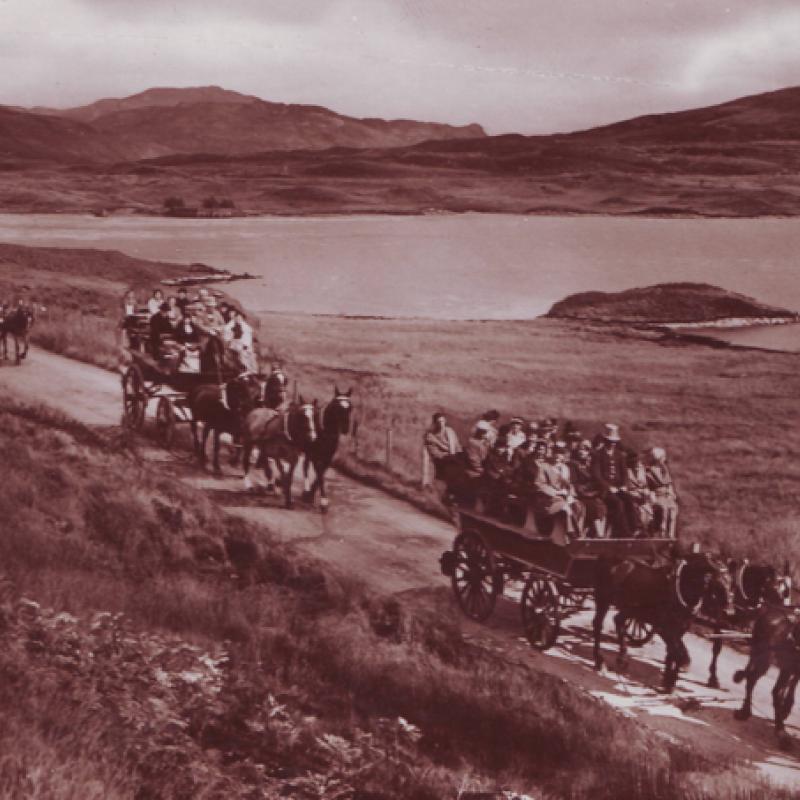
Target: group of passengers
x: 178, y: 325
x: 598, y: 487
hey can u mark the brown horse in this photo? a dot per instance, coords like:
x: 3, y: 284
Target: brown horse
x: 775, y: 639
x: 666, y: 596
x: 282, y: 436
x: 17, y: 323
x: 243, y: 394
x: 333, y: 423
x: 753, y: 586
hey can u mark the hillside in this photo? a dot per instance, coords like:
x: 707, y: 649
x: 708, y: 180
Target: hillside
x: 665, y: 302
x: 737, y: 159
x: 164, y: 121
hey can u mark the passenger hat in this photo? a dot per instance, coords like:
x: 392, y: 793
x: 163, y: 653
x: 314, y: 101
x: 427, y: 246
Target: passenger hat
x: 585, y: 444
x: 560, y: 446
x: 533, y: 427
x: 658, y: 453
x: 516, y: 421
x: 611, y: 432
x: 482, y: 425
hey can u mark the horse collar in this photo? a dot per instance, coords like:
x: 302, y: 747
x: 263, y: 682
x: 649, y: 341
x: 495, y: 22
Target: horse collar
x: 679, y: 594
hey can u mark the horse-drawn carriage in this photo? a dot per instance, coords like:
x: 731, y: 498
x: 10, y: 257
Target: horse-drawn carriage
x: 557, y: 573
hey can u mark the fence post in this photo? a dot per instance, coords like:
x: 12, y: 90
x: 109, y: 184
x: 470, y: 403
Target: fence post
x: 389, y: 443
x: 426, y: 468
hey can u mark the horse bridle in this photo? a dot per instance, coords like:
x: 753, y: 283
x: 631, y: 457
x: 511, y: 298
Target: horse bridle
x: 344, y: 402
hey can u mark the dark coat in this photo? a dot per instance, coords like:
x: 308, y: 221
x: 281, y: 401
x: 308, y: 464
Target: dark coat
x: 609, y: 470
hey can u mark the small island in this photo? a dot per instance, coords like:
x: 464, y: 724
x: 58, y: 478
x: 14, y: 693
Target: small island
x: 672, y: 305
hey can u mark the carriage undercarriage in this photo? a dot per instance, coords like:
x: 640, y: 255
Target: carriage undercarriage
x: 557, y: 579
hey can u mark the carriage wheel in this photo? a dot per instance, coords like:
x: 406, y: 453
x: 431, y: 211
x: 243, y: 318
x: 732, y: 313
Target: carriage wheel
x: 476, y: 582
x: 540, y: 612
x: 134, y: 398
x: 165, y: 421
x: 638, y: 633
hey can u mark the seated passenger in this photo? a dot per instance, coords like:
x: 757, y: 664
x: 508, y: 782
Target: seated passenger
x: 516, y: 435
x: 586, y: 490
x: 497, y: 475
x: 238, y: 320
x: 239, y: 346
x: 610, y: 475
x: 491, y: 419
x: 637, y: 496
x: 155, y: 301
x: 554, y: 494
x: 209, y: 320
x: 665, y: 498
x: 161, y: 331
x: 466, y: 485
x: 442, y: 446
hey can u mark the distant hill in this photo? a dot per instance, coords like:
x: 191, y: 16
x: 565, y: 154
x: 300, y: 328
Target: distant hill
x: 665, y: 302
x: 164, y: 121
x: 735, y: 159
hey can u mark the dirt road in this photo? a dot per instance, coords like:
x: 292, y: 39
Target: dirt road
x: 396, y: 548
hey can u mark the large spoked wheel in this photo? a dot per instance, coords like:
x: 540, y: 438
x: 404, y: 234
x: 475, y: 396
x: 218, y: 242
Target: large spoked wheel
x: 541, y: 615
x: 134, y: 398
x: 638, y: 633
x: 476, y: 582
x: 165, y: 421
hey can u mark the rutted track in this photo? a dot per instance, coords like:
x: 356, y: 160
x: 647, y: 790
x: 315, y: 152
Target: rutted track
x: 396, y: 548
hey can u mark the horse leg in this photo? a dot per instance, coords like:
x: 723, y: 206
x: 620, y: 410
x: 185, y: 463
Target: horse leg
x: 320, y: 481
x: 622, y: 655
x: 17, y: 359
x: 779, y: 693
x: 600, y: 610
x: 308, y: 490
x: 287, y: 485
x: 246, y: 449
x: 217, y: 467
x: 202, y: 454
x: 716, y: 649
x: 756, y: 667
x: 670, y: 664
x: 784, y: 711
x: 268, y: 473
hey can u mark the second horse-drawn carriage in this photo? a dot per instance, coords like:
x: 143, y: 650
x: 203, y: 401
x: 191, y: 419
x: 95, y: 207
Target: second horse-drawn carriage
x: 557, y: 573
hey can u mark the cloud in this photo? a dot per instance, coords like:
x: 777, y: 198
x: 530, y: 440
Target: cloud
x: 526, y: 65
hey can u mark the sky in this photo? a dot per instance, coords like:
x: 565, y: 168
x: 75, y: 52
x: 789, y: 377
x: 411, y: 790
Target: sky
x: 527, y: 66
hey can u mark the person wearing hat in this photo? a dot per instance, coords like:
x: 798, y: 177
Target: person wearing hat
x: 580, y: 466
x: 516, y: 434
x: 210, y: 320
x: 665, y: 498
x: 491, y: 418
x: 497, y: 476
x: 554, y: 495
x: 610, y: 473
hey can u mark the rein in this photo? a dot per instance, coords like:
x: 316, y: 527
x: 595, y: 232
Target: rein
x: 679, y: 594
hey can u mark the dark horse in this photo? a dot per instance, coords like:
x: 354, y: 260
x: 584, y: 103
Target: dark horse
x: 17, y: 323
x: 333, y: 423
x: 753, y: 585
x: 243, y: 394
x: 666, y: 596
x: 776, y: 638
x: 282, y: 436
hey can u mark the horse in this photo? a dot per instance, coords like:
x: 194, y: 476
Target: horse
x: 753, y: 586
x: 276, y: 391
x: 775, y: 638
x: 17, y: 323
x: 666, y: 596
x: 333, y: 423
x: 282, y: 436
x: 243, y: 394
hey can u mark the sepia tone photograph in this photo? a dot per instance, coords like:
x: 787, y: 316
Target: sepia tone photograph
x: 399, y: 399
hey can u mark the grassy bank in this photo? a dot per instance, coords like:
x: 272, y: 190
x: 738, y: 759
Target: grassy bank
x: 153, y: 647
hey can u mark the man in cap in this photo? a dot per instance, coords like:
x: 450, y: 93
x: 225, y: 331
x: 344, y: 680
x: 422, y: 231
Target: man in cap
x: 516, y: 434
x: 609, y: 471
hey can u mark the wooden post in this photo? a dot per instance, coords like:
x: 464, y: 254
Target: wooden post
x: 389, y: 442
x: 426, y: 468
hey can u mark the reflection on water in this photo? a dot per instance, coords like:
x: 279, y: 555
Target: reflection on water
x: 444, y: 266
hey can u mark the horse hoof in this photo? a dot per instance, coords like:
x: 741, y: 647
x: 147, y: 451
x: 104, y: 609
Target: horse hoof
x: 713, y: 683
x: 323, y: 508
x: 785, y: 742
x: 741, y: 714
x: 308, y: 497
x: 270, y: 488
